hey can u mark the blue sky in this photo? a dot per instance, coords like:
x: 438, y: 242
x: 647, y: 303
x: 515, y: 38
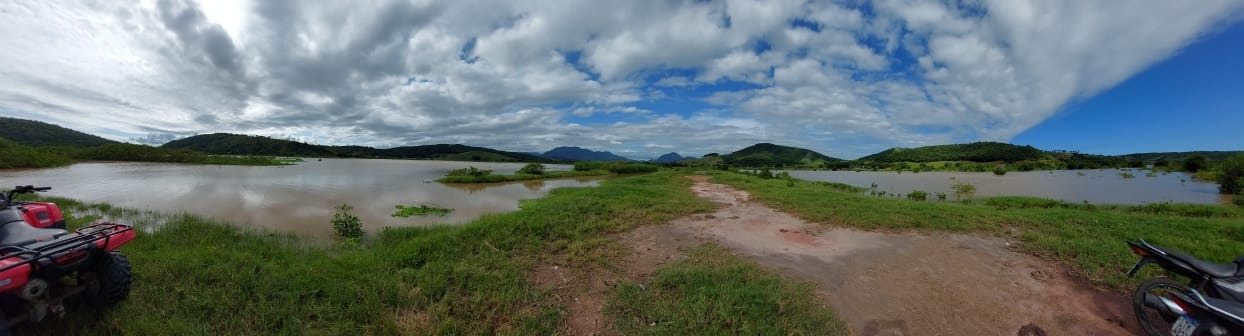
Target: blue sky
x: 638, y: 78
x: 1192, y: 101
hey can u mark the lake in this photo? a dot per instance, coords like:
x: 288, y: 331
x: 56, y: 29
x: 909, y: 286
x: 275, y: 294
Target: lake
x: 297, y: 198
x: 1100, y: 186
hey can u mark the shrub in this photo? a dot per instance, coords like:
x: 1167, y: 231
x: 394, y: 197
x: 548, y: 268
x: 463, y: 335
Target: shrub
x: 1127, y: 175
x: 533, y: 169
x: 345, y: 224
x: 1231, y: 177
x: 999, y: 170
x: 629, y: 168
x: 963, y: 189
x: 918, y: 195
x: 941, y: 196
x: 1161, y: 162
x: 588, y: 165
x: 469, y: 171
x: 1238, y: 200
x: 1194, y: 163
x: 765, y: 174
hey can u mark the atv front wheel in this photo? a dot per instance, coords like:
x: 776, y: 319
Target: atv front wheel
x: 108, y: 281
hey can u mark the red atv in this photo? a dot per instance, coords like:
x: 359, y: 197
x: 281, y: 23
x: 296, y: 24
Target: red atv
x: 42, y: 264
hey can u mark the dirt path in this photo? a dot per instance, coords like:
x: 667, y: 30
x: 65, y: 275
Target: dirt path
x: 895, y: 283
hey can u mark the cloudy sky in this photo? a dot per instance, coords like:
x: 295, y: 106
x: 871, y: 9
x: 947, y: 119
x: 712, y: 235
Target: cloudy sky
x: 638, y: 78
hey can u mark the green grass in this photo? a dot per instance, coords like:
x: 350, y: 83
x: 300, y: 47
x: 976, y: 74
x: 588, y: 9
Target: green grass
x: 1089, y: 238
x: 496, y: 178
x: 712, y: 292
x: 197, y: 277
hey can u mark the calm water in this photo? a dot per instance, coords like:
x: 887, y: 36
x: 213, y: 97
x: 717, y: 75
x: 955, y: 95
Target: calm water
x: 1103, y: 186
x: 297, y: 198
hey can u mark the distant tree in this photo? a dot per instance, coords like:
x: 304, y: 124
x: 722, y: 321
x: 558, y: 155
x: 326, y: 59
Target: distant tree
x: 1161, y: 162
x: 1194, y: 163
x: 1231, y: 178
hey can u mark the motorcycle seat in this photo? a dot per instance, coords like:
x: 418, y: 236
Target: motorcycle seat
x: 1214, y: 270
x: 20, y: 233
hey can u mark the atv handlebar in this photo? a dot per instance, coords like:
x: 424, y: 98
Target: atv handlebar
x: 29, y: 188
x: 26, y: 189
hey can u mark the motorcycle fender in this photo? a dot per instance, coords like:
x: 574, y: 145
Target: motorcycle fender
x: 1143, y: 261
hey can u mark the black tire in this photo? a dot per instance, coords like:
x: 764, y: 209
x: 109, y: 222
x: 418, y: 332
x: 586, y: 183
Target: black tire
x: 1154, y: 321
x: 108, y: 282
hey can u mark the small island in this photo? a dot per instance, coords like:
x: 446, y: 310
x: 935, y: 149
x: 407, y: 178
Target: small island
x: 536, y: 171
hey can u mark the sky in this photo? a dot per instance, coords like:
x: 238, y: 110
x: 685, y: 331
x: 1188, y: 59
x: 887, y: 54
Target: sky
x: 638, y: 78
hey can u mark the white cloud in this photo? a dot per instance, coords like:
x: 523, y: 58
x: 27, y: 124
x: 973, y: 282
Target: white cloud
x: 825, y: 75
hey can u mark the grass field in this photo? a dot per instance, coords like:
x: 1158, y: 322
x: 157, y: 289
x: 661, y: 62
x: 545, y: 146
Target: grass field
x: 197, y: 277
x: 1090, y: 238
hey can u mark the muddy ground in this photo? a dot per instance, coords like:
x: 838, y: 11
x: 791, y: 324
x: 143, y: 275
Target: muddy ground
x: 879, y: 283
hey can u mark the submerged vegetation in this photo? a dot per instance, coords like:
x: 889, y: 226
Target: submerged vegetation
x: 536, y: 171
x: 421, y: 210
x: 473, y: 175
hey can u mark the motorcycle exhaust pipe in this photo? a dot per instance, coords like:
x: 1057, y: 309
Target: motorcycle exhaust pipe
x: 1163, y: 304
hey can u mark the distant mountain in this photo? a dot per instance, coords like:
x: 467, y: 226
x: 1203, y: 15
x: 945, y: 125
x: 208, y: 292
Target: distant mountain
x: 581, y: 154
x: 976, y: 152
x: 238, y: 144
x: 767, y: 154
x: 37, y: 133
x: 670, y: 157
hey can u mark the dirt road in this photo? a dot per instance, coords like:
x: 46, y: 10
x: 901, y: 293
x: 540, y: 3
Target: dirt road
x: 897, y: 283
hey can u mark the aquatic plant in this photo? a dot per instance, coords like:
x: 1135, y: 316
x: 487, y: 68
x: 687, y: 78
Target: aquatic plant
x: 532, y: 169
x: 941, y: 196
x: 469, y: 171
x: 1127, y: 175
x: 421, y: 210
x: 345, y: 224
x: 918, y: 195
x: 963, y: 190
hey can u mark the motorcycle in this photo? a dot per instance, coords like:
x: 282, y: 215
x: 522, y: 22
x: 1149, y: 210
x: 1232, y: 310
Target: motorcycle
x: 42, y: 264
x: 1211, y: 303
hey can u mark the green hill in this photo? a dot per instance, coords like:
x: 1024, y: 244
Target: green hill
x: 37, y: 133
x: 457, y: 153
x: 770, y: 155
x: 15, y: 155
x: 975, y: 152
x: 237, y: 144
